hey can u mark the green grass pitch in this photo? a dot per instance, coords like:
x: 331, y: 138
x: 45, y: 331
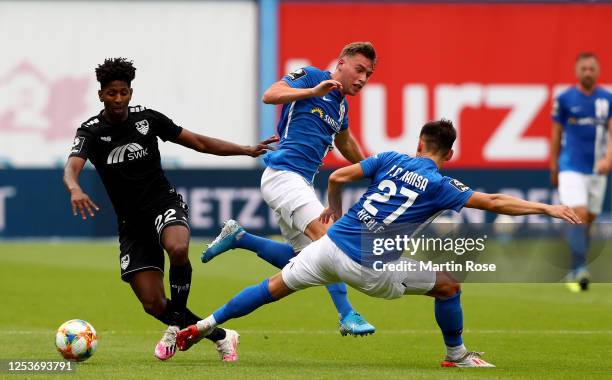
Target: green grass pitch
x: 527, y: 330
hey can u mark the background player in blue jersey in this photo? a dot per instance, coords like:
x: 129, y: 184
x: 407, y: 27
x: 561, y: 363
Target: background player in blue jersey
x: 581, y: 157
x: 314, y: 116
x: 405, y: 191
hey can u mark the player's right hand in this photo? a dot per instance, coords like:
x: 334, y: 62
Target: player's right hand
x: 564, y: 212
x: 263, y: 147
x: 82, y: 204
x: 329, y: 214
x: 326, y: 87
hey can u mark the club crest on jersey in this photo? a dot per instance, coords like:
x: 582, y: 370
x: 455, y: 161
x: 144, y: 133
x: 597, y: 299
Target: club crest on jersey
x: 459, y: 186
x: 142, y: 126
x: 125, y: 261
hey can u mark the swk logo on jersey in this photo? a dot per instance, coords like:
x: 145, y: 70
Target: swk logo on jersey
x: 132, y: 151
x: 142, y: 126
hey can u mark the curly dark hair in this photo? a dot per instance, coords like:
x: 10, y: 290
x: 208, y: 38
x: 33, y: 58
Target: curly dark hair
x: 115, y: 69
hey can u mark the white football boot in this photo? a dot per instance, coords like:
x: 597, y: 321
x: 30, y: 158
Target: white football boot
x: 469, y: 360
x: 166, y: 347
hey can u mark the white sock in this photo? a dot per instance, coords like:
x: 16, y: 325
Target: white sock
x: 207, y: 324
x: 456, y: 352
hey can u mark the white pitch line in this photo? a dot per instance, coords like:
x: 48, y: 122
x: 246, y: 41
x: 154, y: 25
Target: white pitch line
x: 322, y: 332
x: 416, y: 332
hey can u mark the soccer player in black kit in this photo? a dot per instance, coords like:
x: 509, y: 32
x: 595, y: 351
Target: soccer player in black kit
x: 121, y: 142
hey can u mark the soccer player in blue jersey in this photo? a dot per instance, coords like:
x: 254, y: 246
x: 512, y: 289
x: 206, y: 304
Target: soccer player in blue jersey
x: 581, y: 157
x: 404, y: 191
x: 314, y: 116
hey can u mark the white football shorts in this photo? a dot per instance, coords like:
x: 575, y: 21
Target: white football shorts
x: 323, y: 263
x: 579, y: 189
x: 294, y: 202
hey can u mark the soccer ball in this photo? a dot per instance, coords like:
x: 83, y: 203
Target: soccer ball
x: 76, y: 340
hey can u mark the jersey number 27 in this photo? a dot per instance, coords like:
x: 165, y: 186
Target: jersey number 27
x: 385, y: 196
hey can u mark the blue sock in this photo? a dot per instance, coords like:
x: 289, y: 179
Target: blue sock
x: 579, y: 245
x: 337, y: 293
x: 245, y: 302
x: 450, y: 319
x: 275, y: 253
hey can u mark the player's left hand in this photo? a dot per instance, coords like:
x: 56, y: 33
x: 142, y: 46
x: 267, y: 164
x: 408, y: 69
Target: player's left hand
x: 563, y: 212
x: 262, y: 148
x: 603, y: 166
x: 329, y: 214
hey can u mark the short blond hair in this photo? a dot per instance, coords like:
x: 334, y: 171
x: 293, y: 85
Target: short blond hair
x: 364, y: 48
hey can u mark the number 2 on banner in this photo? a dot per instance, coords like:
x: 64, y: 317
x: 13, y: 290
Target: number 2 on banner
x: 385, y: 196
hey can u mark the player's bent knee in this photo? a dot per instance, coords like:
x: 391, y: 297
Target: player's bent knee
x: 178, y: 252
x: 277, y: 287
x: 446, y: 290
x: 446, y: 286
x: 453, y: 288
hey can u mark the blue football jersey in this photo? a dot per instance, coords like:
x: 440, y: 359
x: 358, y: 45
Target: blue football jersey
x: 584, y: 119
x: 406, y: 192
x: 307, y: 127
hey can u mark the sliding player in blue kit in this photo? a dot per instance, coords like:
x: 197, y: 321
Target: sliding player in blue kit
x: 405, y: 191
x: 314, y: 116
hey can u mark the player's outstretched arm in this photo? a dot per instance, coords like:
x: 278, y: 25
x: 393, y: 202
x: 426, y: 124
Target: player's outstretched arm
x: 336, y: 181
x: 281, y: 93
x: 509, y: 205
x: 78, y: 199
x: 349, y: 148
x: 218, y: 147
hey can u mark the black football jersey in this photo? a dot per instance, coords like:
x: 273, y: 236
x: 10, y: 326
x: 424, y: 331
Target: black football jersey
x: 127, y: 158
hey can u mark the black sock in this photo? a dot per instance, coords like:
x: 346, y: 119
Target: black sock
x: 180, y: 283
x: 190, y: 318
x: 216, y: 334
x: 170, y: 316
